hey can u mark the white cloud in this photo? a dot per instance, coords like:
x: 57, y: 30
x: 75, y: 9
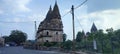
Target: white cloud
x: 23, y: 18
x: 103, y: 19
x: 1, y: 11
x: 15, y: 5
x: 36, y: 17
x: 14, y: 20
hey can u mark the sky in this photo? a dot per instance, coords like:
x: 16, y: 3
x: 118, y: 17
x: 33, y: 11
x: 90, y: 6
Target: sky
x: 21, y: 14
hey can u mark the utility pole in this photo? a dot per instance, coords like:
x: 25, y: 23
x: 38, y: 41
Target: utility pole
x: 35, y: 29
x: 73, y: 27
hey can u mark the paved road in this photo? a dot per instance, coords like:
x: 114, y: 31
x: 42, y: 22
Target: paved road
x: 20, y: 50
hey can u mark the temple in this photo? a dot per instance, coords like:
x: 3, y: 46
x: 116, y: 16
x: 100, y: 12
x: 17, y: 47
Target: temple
x: 51, y: 28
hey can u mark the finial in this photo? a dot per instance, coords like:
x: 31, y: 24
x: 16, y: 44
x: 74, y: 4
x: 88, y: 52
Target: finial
x: 55, y: 1
x: 93, y: 23
x: 82, y: 30
x: 50, y: 7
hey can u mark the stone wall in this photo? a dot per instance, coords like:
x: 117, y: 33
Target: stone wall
x: 50, y: 36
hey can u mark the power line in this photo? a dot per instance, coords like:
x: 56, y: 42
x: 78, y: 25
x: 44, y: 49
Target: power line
x: 75, y: 8
x: 75, y: 15
x: 79, y: 22
x: 66, y: 13
x: 81, y: 4
x: 61, y: 16
x: 39, y: 21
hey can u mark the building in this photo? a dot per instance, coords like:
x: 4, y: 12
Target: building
x: 93, y: 28
x: 2, y: 41
x: 51, y: 28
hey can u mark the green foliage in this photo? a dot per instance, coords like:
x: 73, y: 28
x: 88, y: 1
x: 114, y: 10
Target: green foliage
x: 80, y: 45
x: 17, y: 36
x: 47, y: 44
x: 64, y: 37
x: 107, y: 43
x: 67, y: 45
x: 79, y: 36
x: 51, y: 44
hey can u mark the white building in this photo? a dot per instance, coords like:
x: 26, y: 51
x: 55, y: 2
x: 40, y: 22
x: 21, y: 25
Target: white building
x: 2, y: 41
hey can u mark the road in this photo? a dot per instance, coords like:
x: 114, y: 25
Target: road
x: 20, y: 50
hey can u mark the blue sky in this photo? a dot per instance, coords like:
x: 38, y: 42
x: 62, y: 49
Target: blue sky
x: 21, y: 14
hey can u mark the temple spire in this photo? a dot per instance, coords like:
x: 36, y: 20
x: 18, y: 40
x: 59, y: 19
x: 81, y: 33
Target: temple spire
x: 55, y: 1
x: 48, y: 16
x: 93, y: 28
x: 50, y: 9
x: 56, y: 12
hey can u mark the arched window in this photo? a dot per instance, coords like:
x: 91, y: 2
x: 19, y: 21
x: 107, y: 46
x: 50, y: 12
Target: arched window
x: 47, y: 33
x: 56, y: 33
x: 47, y: 41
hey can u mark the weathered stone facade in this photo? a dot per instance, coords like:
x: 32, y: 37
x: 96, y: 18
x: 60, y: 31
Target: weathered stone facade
x: 51, y: 28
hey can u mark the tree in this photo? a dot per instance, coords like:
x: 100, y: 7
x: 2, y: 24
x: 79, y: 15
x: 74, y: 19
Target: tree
x: 6, y: 38
x: 67, y: 45
x: 64, y: 37
x: 79, y: 36
x: 116, y: 41
x: 18, y: 36
x: 111, y: 35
